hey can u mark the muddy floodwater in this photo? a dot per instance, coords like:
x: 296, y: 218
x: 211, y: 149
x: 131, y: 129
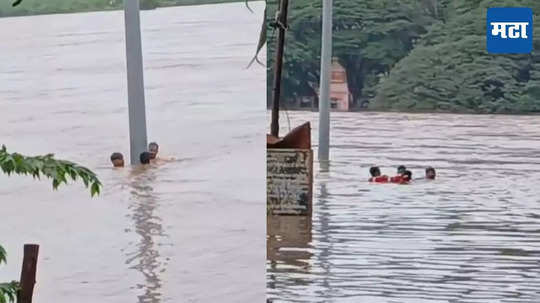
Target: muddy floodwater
x: 472, y: 235
x: 190, y: 229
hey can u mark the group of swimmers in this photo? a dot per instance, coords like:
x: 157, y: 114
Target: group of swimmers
x: 403, y: 176
x: 117, y: 159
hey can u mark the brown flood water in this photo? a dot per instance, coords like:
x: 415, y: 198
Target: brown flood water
x: 190, y: 230
x: 473, y: 235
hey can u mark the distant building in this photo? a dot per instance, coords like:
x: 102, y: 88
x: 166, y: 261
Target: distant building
x: 339, y: 88
x: 340, y: 96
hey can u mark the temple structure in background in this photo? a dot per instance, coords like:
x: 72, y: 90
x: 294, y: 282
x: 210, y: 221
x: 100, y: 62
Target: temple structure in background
x: 339, y: 89
x: 340, y: 96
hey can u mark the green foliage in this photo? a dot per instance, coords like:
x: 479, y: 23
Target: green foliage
x: 60, y: 171
x: 300, y: 71
x: 8, y: 291
x: 449, y: 70
x: 3, y: 255
x: 369, y: 38
x: 34, y: 7
x: 413, y: 55
x: 262, y: 36
x: 193, y: 2
x: 148, y: 4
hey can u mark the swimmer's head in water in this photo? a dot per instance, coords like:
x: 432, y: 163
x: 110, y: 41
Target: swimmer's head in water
x: 117, y: 160
x: 145, y: 158
x: 430, y: 173
x: 407, y: 175
x: 401, y: 170
x: 375, y: 171
x: 153, y: 148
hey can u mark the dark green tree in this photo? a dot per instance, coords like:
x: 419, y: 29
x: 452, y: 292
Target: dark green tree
x: 450, y: 70
x: 370, y: 37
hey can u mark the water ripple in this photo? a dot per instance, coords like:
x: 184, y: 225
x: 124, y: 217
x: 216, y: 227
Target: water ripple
x: 471, y: 236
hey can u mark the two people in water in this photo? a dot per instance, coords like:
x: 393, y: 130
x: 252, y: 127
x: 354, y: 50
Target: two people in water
x: 403, y: 176
x: 117, y: 159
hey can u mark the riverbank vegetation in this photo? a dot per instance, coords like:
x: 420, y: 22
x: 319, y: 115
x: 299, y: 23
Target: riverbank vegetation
x: 413, y: 55
x: 8, y: 290
x: 38, y: 7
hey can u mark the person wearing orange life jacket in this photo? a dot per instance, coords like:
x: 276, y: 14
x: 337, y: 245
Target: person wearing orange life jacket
x: 404, y: 178
x: 376, y: 175
x: 400, y: 171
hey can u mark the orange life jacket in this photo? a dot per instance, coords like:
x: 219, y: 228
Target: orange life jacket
x: 399, y: 179
x: 379, y: 179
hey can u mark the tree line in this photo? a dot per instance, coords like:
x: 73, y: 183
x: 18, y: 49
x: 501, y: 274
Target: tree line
x: 409, y: 55
x: 36, y: 7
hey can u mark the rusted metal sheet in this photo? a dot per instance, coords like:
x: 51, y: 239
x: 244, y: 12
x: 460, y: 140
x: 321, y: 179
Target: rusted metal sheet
x: 289, y: 181
x: 299, y: 137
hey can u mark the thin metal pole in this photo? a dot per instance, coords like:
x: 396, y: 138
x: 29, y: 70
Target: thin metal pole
x: 324, y: 97
x: 282, y: 26
x: 137, y: 110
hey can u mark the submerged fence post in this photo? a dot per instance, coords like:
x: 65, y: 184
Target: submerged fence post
x: 137, y: 110
x: 28, y: 273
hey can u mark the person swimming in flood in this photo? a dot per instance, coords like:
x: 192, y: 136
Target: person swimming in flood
x: 407, y: 176
x: 430, y: 173
x: 153, y: 149
x: 376, y: 176
x: 117, y: 160
x: 145, y: 158
x: 404, y: 178
x: 399, y: 177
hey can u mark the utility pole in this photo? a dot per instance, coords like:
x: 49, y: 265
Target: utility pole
x: 324, y: 96
x: 281, y: 24
x: 136, y: 106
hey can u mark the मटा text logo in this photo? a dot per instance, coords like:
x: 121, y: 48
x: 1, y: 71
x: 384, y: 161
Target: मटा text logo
x: 509, y: 30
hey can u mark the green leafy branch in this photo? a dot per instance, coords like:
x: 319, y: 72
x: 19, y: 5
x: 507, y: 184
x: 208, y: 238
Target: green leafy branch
x: 262, y: 36
x: 8, y: 291
x: 57, y: 170
x: 2, y: 255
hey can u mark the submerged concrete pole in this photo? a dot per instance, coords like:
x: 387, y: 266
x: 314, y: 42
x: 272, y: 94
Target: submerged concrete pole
x: 324, y: 96
x: 137, y: 110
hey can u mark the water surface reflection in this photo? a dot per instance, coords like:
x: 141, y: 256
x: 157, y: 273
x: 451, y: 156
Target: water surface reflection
x: 146, y: 257
x: 473, y: 235
x: 63, y: 91
x: 288, y: 239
